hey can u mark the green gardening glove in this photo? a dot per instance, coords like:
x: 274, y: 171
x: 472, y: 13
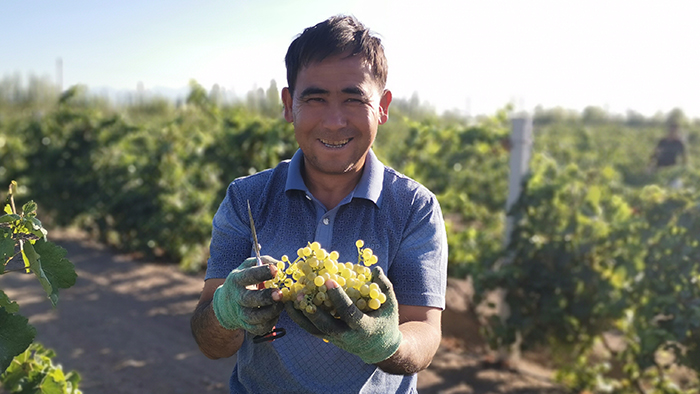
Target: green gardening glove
x: 373, y: 336
x: 237, y: 306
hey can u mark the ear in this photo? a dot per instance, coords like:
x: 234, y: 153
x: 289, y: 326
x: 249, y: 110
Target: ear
x: 384, y: 106
x: 287, y: 102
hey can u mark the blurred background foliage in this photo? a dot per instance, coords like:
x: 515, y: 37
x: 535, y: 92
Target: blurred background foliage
x: 147, y: 174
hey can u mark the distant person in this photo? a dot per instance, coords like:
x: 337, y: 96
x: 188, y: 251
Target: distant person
x: 669, y: 149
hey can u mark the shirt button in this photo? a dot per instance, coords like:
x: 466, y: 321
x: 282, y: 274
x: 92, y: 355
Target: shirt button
x: 326, y: 221
x: 308, y: 197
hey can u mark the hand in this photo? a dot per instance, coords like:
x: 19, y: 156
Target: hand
x: 255, y: 311
x: 373, y: 336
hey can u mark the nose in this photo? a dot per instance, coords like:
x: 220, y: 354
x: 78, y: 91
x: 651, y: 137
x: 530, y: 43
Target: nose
x: 334, y: 117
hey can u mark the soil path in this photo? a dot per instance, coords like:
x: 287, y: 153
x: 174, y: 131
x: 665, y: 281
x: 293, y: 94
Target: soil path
x: 124, y: 327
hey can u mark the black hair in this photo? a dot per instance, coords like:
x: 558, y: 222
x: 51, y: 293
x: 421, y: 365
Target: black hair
x: 334, y: 36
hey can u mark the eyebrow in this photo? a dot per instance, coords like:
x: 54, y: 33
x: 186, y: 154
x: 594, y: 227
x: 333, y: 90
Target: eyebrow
x: 354, y: 90
x: 313, y: 91
x: 310, y: 91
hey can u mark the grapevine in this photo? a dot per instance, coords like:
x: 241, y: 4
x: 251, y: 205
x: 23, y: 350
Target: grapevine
x: 303, y: 281
x: 25, y: 366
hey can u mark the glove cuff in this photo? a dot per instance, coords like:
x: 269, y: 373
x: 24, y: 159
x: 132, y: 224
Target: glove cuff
x: 224, y: 315
x: 382, y: 351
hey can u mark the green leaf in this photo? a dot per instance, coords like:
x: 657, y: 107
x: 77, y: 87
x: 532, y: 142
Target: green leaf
x: 15, y: 337
x: 32, y: 260
x: 9, y: 305
x: 54, y: 382
x: 10, y: 217
x: 7, y: 250
x: 58, y: 269
x: 73, y: 378
x: 33, y: 372
x: 29, y: 208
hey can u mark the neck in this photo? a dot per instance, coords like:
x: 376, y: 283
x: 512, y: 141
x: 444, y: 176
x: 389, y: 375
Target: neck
x: 330, y: 189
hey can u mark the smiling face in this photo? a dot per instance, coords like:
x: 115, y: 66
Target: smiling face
x: 336, y: 109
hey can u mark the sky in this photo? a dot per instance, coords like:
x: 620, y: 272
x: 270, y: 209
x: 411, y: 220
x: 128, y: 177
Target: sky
x: 471, y: 56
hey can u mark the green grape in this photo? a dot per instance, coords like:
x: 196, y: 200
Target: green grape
x: 303, y: 280
x: 364, y: 290
x: 319, y: 281
x: 353, y: 293
x: 307, y: 269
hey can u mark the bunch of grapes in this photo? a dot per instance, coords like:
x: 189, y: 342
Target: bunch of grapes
x: 307, y: 275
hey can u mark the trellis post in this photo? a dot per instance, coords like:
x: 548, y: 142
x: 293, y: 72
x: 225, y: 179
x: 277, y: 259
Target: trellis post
x: 520, y: 152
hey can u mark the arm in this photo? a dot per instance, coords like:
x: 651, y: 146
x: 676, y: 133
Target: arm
x: 213, y: 340
x: 421, y: 329
x: 228, y: 307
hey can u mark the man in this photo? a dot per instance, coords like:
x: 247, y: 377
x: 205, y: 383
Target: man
x: 334, y: 191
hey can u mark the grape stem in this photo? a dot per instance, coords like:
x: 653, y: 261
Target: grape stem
x: 12, y: 199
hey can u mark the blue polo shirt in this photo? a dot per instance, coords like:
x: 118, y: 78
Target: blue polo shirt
x: 398, y: 218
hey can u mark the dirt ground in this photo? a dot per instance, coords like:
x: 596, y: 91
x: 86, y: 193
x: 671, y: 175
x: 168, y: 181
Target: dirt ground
x: 124, y: 327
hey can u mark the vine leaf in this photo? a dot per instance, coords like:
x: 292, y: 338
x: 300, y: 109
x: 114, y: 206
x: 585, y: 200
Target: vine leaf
x: 49, y: 264
x: 9, y: 217
x: 16, y: 335
x: 58, y: 269
x: 7, y: 250
x: 9, y: 305
x: 31, y: 260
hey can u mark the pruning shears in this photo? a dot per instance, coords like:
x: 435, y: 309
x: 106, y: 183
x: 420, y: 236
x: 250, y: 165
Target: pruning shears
x: 276, y: 332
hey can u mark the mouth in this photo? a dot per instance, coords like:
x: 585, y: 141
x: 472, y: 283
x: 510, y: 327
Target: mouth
x: 335, y: 144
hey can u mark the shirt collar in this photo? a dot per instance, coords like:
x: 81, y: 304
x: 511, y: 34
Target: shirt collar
x: 369, y: 187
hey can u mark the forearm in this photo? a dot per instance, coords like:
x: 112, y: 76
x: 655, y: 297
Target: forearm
x: 214, y: 340
x: 418, y: 347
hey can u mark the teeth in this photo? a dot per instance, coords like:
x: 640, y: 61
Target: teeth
x: 336, y: 144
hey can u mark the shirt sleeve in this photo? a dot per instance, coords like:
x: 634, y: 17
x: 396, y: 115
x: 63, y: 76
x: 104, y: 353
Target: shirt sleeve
x: 419, y: 271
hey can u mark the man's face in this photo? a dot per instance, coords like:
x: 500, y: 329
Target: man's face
x: 336, y: 109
